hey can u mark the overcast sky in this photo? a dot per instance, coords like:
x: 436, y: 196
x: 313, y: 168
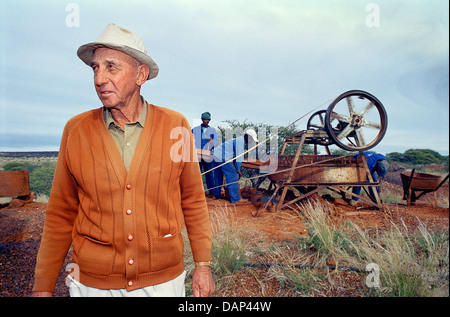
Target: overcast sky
x: 267, y: 61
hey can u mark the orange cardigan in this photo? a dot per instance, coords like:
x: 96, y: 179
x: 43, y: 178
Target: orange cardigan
x: 124, y: 227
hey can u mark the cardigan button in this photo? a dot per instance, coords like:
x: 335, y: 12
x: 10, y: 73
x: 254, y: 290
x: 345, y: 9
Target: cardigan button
x: 130, y: 283
x: 130, y: 261
x: 128, y: 186
x: 129, y: 212
x: 130, y: 237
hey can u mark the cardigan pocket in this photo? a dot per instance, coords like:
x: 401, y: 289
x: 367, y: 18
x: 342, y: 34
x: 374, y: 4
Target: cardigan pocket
x: 94, y: 256
x: 166, y: 252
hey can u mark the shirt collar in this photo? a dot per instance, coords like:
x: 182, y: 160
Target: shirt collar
x: 141, y: 119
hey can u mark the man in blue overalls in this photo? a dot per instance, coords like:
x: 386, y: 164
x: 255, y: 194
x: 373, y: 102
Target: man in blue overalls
x: 206, y: 138
x: 377, y: 166
x: 232, y: 170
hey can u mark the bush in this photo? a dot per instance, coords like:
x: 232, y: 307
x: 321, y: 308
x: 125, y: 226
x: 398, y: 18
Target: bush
x: 228, y: 245
x: 19, y: 166
x: 418, y: 157
x: 41, y: 179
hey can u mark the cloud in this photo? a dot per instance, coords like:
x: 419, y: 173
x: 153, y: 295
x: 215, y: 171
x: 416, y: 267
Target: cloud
x: 262, y: 60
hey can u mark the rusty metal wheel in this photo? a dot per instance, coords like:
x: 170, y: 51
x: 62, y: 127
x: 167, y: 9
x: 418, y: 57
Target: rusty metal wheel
x: 356, y: 121
x: 317, y: 122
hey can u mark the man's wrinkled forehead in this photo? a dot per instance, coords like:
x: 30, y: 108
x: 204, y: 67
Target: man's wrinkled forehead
x: 104, y: 54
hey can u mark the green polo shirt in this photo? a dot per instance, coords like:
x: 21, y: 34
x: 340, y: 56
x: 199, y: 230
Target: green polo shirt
x: 127, y: 138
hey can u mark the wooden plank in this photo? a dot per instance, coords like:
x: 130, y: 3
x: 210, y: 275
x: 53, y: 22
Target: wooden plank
x: 14, y: 183
x: 254, y: 164
x: 303, y: 196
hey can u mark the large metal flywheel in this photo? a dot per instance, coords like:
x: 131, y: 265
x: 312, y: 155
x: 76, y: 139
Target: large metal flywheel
x: 356, y: 121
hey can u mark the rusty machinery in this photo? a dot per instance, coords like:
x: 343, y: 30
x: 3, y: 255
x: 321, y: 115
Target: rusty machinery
x: 355, y: 121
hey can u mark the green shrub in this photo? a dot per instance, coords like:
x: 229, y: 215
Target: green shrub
x: 41, y: 179
x: 19, y: 166
x: 228, y: 245
x: 418, y: 157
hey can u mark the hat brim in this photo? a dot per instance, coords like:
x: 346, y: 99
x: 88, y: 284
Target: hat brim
x: 86, y: 54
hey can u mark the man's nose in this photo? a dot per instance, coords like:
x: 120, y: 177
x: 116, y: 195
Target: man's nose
x: 100, y: 77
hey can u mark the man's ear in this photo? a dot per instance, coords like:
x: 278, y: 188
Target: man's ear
x: 143, y: 72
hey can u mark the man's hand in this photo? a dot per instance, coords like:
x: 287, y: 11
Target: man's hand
x: 42, y: 294
x: 202, y: 282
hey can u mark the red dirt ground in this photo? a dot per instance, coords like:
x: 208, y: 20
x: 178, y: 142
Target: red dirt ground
x: 282, y: 224
x: 21, y: 227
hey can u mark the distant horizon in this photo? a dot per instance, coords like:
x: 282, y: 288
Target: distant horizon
x: 31, y: 151
x: 52, y: 151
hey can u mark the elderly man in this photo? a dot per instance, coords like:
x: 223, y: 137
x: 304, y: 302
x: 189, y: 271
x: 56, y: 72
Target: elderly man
x: 117, y: 196
x: 206, y: 138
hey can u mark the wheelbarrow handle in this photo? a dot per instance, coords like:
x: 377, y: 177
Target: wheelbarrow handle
x: 442, y: 183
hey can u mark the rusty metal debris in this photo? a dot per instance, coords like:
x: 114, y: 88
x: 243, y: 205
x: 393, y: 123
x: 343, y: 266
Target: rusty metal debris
x: 14, y: 183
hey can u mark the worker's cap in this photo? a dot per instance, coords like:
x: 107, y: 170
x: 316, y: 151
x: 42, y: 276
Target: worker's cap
x: 120, y: 39
x: 253, y: 134
x: 382, y: 168
x: 206, y: 116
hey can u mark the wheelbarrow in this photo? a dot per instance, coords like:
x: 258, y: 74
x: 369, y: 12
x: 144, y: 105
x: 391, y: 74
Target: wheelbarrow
x: 419, y: 182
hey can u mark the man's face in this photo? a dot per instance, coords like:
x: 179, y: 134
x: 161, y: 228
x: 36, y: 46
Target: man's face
x: 205, y: 122
x: 116, y: 77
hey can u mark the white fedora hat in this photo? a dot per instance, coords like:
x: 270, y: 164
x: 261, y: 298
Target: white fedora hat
x: 121, y: 39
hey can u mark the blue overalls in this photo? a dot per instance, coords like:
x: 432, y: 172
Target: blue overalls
x: 372, y: 160
x: 223, y: 153
x: 202, y: 136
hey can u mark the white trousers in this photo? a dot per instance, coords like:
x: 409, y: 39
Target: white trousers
x: 172, y: 288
